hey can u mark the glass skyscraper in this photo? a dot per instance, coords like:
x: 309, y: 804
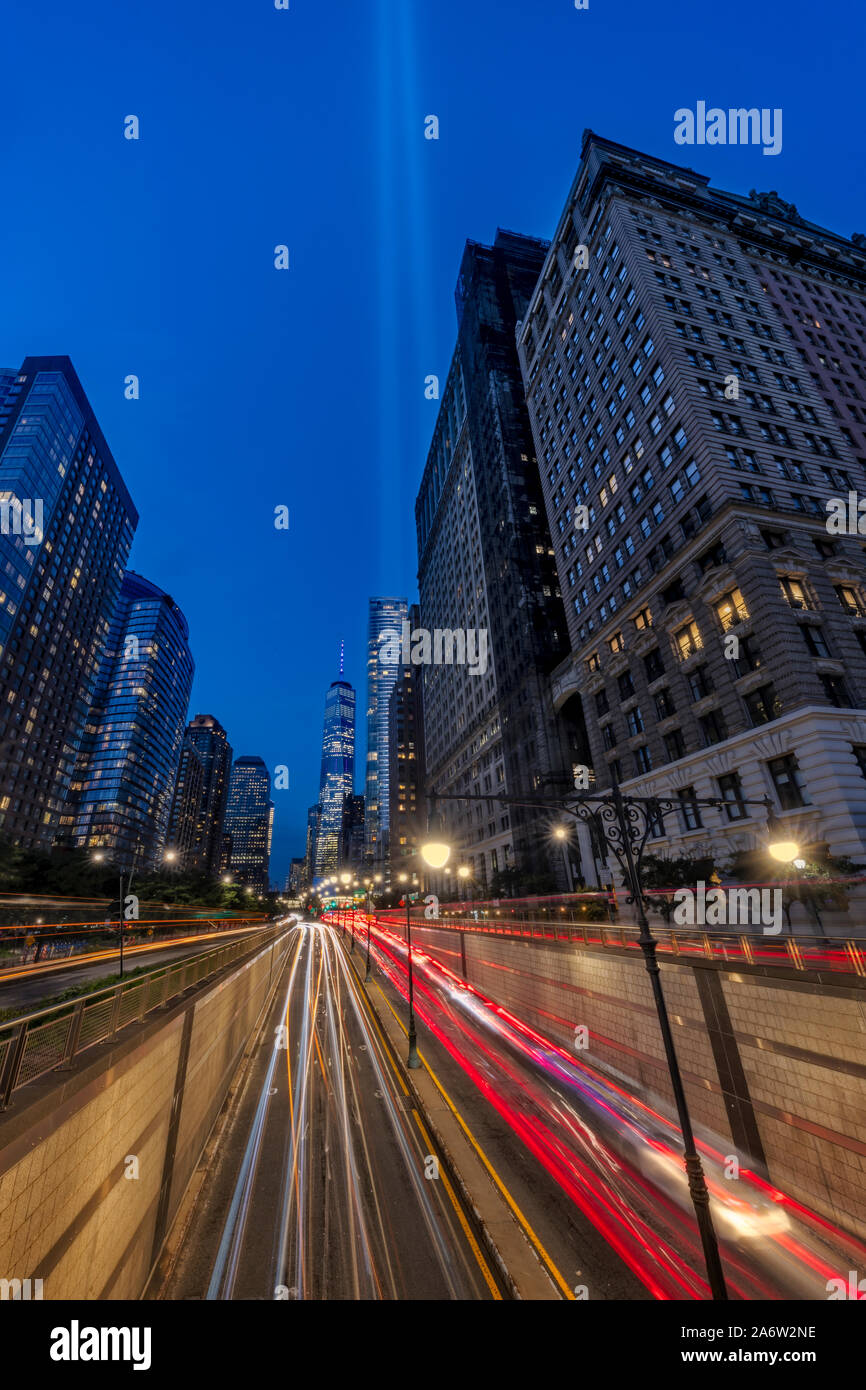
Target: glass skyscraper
x: 248, y: 823
x: 124, y: 781
x: 338, y: 774
x: 60, y: 576
x: 386, y: 615
x: 210, y: 741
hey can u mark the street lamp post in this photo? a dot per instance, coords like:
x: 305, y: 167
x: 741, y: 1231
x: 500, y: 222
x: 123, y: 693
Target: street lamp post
x: 413, y: 1060
x: 624, y: 826
x: 368, y: 884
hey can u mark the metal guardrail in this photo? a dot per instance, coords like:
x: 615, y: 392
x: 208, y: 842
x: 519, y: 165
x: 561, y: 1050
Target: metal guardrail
x: 52, y: 1037
x: 800, y: 952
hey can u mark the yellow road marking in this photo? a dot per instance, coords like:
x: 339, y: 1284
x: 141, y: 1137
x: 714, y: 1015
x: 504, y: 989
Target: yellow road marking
x: 472, y: 1242
x: 527, y: 1229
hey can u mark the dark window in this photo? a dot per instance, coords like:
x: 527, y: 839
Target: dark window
x: 788, y: 781
x: 749, y: 658
x: 763, y: 705
x: 664, y: 704
x: 859, y: 752
x: 700, y: 683
x: 642, y: 760
x: 634, y: 720
x: 653, y: 665
x: 732, y: 794
x: 626, y: 685
x: 713, y: 727
x: 836, y: 691
x: 690, y: 811
x: 608, y: 736
x: 675, y: 745
x: 814, y: 639
x: 674, y: 592
x: 602, y: 704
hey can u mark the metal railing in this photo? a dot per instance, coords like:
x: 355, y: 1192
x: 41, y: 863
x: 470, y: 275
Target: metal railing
x: 51, y: 1038
x: 800, y: 952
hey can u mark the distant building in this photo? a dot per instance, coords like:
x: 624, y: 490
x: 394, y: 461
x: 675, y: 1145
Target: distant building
x: 337, y: 775
x: 296, y: 880
x: 406, y: 765
x: 487, y: 571
x: 60, y: 578
x: 248, y: 824
x: 312, y: 836
x: 386, y: 616
x: 208, y: 737
x: 185, y: 805
x: 121, y: 794
x: 352, y: 846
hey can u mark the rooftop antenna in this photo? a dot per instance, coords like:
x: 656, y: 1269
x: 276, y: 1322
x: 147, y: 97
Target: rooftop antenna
x: 341, y: 658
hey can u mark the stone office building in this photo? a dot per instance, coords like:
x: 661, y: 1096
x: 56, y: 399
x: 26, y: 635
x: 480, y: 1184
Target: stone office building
x: 695, y: 368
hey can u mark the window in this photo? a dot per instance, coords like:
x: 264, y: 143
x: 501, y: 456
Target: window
x: 625, y: 685
x: 653, y: 665
x: 763, y: 705
x: 664, y: 704
x: 688, y: 640
x: 608, y: 737
x: 602, y: 704
x: 713, y: 728
x: 836, y: 691
x: 731, y: 609
x: 849, y: 599
x: 593, y: 662
x: 731, y: 791
x: 634, y: 721
x: 689, y: 810
x: 788, y: 781
x: 749, y: 658
x: 642, y: 760
x: 815, y: 640
x: 859, y: 752
x: 643, y: 619
x: 794, y: 592
x: 675, y: 745
x: 700, y: 684
x: 616, y: 643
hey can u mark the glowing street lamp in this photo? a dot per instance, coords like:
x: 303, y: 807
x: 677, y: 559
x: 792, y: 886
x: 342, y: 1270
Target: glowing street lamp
x: 780, y: 846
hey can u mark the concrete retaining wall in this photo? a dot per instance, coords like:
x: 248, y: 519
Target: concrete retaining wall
x: 94, y: 1162
x: 774, y: 1062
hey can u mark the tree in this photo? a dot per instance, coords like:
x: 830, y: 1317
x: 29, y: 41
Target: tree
x: 683, y: 872
x: 816, y: 885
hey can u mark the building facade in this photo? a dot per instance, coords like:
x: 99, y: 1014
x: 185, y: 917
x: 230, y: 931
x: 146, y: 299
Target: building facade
x: 248, y: 824
x: 486, y: 567
x: 352, y: 851
x: 386, y: 616
x: 695, y: 368
x: 337, y: 779
x: 406, y: 768
x: 210, y: 741
x: 121, y: 793
x: 185, y: 805
x: 60, y: 577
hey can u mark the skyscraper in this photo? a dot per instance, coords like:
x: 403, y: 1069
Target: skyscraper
x: 60, y: 577
x: 338, y: 775
x: 248, y: 823
x: 406, y: 765
x: 486, y: 567
x: 386, y: 615
x: 121, y: 793
x: 352, y: 850
x: 210, y: 741
x: 695, y: 364
x: 312, y: 835
x: 185, y: 805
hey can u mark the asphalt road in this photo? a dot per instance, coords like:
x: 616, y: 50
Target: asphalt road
x: 324, y: 1182
x: 30, y: 985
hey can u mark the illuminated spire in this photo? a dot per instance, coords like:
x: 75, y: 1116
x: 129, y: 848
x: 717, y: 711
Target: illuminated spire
x: 341, y: 658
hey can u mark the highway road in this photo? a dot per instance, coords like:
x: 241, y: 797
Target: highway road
x: 326, y: 1183
x: 29, y: 986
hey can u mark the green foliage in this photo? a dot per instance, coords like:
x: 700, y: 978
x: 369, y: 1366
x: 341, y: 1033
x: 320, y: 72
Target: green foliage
x: 683, y: 872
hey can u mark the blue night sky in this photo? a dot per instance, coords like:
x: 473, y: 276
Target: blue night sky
x: 305, y: 387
